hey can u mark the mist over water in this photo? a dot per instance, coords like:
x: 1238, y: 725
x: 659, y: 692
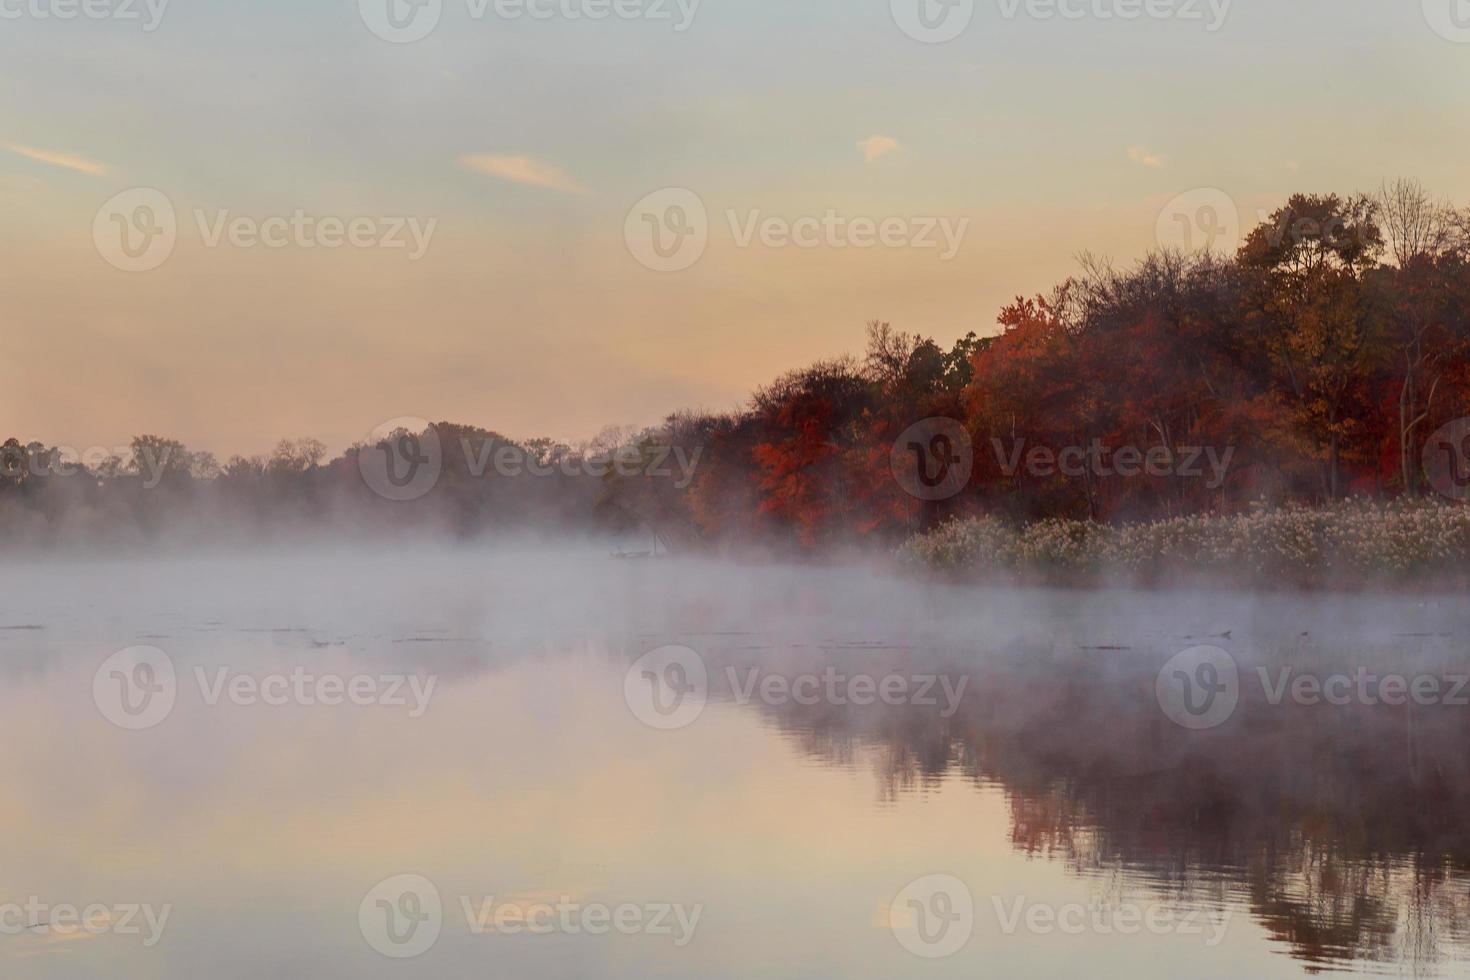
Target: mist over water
x: 485, y: 728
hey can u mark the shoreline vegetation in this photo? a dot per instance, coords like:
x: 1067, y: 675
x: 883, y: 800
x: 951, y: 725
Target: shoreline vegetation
x: 1351, y: 545
x: 1295, y: 411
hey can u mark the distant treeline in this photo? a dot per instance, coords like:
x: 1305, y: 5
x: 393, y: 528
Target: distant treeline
x: 1311, y: 366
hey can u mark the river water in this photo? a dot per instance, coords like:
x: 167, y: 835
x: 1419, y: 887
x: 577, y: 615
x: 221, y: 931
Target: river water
x: 555, y: 764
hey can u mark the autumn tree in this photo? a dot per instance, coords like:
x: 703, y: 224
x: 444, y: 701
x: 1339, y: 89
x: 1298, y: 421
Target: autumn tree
x: 811, y: 417
x: 1428, y: 251
x: 1313, y: 314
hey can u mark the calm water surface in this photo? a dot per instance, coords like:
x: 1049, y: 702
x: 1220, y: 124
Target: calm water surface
x: 1043, y: 816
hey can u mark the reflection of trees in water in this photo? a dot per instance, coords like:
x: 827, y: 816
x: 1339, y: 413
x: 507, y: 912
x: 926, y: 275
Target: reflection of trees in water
x: 1342, y: 829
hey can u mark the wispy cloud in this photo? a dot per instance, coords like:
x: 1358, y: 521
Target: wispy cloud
x: 523, y: 170
x: 45, y: 939
x: 875, y: 146
x: 1143, y: 156
x: 55, y: 158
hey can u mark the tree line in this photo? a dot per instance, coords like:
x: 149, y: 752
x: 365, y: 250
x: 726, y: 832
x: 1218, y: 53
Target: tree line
x: 1317, y: 360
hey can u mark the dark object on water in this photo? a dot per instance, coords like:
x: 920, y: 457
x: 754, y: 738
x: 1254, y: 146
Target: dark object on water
x: 660, y: 549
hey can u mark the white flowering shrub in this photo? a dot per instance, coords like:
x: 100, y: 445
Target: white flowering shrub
x: 1079, y: 545
x: 1351, y: 540
x: 962, y: 545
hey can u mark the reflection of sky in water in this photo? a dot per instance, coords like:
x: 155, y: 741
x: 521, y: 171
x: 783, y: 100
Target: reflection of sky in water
x: 529, y: 778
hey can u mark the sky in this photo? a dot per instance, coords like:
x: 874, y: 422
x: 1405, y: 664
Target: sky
x: 620, y: 217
